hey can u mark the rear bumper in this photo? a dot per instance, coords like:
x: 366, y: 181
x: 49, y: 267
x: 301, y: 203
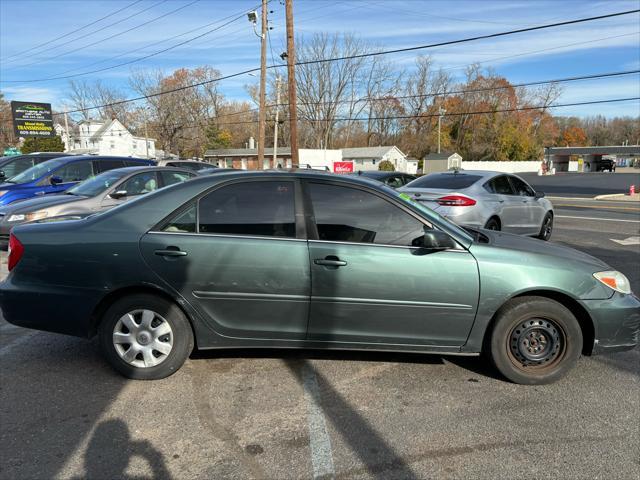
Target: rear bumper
x: 52, y: 309
x: 616, y: 321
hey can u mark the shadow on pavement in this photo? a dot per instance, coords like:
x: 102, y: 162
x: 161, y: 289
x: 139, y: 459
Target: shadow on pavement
x: 379, y: 458
x: 111, y: 449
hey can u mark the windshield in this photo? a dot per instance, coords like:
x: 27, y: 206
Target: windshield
x: 447, y: 181
x: 430, y: 214
x: 97, y: 184
x: 36, y: 172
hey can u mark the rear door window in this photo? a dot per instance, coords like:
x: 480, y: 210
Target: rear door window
x: 445, y: 181
x: 105, y: 165
x: 17, y: 166
x: 249, y: 208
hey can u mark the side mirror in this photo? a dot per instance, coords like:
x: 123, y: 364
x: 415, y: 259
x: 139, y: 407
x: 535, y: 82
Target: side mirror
x: 436, y: 240
x: 118, y: 194
x: 55, y: 180
x: 2, y: 175
x: 539, y: 195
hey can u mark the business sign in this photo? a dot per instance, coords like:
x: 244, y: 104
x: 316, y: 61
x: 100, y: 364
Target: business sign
x: 31, y: 119
x: 343, y: 168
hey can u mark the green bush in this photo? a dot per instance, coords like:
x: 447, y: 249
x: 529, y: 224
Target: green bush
x: 42, y: 144
x: 386, y: 166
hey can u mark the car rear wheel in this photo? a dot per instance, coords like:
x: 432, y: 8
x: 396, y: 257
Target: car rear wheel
x: 547, y: 227
x: 492, y: 224
x: 145, y: 337
x: 535, y: 341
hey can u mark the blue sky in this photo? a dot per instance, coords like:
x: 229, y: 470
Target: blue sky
x: 583, y: 49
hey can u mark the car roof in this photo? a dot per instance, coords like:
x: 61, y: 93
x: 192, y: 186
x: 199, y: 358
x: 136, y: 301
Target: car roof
x: 377, y: 174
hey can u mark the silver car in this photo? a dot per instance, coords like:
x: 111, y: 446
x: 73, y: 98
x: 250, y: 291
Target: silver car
x: 102, y: 192
x: 482, y: 199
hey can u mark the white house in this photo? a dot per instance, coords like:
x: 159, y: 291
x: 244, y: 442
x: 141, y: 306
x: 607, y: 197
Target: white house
x: 369, y: 158
x: 108, y: 137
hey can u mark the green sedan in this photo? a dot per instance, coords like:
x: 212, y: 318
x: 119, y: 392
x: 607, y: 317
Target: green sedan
x: 310, y: 260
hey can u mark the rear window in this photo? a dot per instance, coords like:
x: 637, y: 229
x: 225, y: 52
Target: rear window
x: 445, y: 181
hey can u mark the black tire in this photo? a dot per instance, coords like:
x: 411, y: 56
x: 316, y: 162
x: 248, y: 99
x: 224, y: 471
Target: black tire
x: 492, y: 224
x: 546, y: 229
x: 535, y: 341
x: 180, y: 337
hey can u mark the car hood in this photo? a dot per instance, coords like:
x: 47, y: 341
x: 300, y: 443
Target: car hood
x: 33, y: 204
x: 530, y: 245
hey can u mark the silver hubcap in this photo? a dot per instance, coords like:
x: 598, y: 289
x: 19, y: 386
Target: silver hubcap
x: 143, y: 338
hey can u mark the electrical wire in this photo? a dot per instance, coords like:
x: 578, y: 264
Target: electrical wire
x: 83, y: 47
x: 49, y: 42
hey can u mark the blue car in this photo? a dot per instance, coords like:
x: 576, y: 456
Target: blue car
x: 60, y: 174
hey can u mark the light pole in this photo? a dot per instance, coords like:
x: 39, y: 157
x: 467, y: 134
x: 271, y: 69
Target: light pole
x: 253, y: 18
x: 441, y: 112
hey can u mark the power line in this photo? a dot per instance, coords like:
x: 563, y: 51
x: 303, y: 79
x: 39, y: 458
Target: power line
x: 82, y: 37
x: 109, y: 37
x: 411, y: 117
x: 370, y: 54
x: 73, y: 31
x: 451, y: 92
x: 139, y: 59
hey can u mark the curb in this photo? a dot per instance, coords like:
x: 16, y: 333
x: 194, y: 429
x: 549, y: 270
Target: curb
x: 617, y: 197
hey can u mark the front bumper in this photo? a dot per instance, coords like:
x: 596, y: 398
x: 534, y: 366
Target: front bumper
x: 616, y: 321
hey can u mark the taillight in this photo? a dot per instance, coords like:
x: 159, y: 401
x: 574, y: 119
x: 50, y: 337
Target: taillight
x: 16, y: 249
x: 456, y: 201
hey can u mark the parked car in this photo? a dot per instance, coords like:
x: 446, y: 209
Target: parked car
x: 96, y: 194
x: 309, y: 260
x: 189, y: 164
x: 491, y: 200
x: 60, y: 174
x: 392, y: 179
x: 11, y: 166
x: 606, y: 165
x: 215, y: 170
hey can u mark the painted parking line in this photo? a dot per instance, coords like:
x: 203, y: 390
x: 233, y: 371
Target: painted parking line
x: 319, y: 440
x: 599, y: 219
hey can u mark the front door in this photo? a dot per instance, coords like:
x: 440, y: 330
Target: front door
x: 236, y: 256
x: 534, y: 211
x: 371, y: 285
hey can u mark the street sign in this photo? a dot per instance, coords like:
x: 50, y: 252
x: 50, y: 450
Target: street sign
x: 31, y: 119
x: 343, y: 167
x: 8, y: 152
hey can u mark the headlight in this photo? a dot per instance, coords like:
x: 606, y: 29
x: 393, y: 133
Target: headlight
x: 614, y: 280
x: 16, y: 218
x: 29, y: 217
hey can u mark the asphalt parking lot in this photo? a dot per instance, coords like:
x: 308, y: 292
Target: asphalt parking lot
x: 275, y: 414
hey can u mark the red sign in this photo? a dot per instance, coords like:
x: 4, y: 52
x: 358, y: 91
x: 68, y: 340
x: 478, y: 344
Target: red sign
x: 342, y: 167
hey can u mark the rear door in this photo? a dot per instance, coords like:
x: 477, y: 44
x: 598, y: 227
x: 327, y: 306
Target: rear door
x: 239, y: 255
x: 372, y: 284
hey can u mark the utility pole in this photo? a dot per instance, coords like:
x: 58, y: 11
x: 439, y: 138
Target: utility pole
x: 262, y: 120
x: 275, y: 126
x: 441, y: 112
x: 291, y: 74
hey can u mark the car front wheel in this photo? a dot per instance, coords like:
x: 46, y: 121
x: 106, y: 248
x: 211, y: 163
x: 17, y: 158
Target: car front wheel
x: 145, y: 337
x: 535, y: 340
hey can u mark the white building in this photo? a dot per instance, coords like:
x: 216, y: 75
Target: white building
x: 369, y: 158
x: 105, y: 138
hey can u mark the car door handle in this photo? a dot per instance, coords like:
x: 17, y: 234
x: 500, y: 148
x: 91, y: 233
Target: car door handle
x: 171, y: 252
x: 330, y: 261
